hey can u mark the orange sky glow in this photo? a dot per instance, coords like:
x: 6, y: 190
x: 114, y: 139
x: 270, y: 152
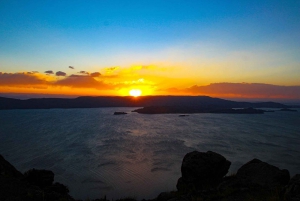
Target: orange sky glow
x: 241, y: 49
x: 150, y: 80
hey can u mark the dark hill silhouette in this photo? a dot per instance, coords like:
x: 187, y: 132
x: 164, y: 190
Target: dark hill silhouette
x: 128, y: 101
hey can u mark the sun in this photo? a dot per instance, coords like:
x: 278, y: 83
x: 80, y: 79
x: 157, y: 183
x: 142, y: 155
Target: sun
x: 135, y: 92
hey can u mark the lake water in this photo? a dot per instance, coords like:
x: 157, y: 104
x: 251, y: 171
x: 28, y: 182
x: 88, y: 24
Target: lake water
x: 96, y: 153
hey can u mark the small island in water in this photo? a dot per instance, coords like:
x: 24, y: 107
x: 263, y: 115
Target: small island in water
x: 119, y: 113
x: 190, y: 110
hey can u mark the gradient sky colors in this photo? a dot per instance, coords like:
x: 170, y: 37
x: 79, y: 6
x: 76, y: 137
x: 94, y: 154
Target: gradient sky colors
x: 161, y: 47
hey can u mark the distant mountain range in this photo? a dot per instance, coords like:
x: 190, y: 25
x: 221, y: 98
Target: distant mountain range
x: 191, y: 102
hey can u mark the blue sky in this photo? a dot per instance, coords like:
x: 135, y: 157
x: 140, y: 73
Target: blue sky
x: 259, y: 39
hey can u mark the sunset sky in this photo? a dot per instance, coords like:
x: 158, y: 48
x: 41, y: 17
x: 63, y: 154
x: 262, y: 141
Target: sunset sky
x: 229, y: 49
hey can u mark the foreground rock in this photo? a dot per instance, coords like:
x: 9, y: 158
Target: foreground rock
x: 203, y: 178
x: 202, y: 170
x: 7, y: 170
x: 41, y: 178
x: 263, y: 174
x: 292, y: 192
x: 34, y: 185
x: 257, y: 180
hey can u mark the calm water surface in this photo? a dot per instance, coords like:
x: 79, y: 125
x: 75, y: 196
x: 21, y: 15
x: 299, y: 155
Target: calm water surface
x: 96, y: 153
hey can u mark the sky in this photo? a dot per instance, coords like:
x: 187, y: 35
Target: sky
x: 229, y: 49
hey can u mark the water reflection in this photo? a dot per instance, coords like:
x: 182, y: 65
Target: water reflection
x: 96, y: 153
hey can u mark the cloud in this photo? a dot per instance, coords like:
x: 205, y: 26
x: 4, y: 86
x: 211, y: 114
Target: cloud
x: 83, y: 81
x: 111, y: 69
x: 84, y: 72
x: 60, y: 73
x: 243, y: 90
x: 21, y: 79
x: 32, y: 72
x: 135, y: 71
x: 111, y: 76
x: 49, y: 72
x: 36, y: 80
x: 147, y: 67
x: 95, y: 74
x: 71, y: 67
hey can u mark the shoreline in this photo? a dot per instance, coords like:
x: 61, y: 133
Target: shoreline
x: 201, y: 103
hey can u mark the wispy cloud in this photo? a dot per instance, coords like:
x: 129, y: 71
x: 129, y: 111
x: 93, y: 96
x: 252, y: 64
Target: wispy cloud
x: 83, y: 72
x: 60, y: 73
x: 21, y: 79
x: 110, y: 70
x: 152, y: 83
x: 49, y: 72
x: 32, y: 72
x: 83, y: 81
x: 95, y: 74
x: 242, y: 90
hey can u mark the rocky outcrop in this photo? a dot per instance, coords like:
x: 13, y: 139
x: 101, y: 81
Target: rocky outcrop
x: 165, y: 196
x: 34, y: 185
x: 292, y: 192
x: 203, y: 178
x: 263, y: 174
x: 255, y: 180
x: 7, y: 170
x: 202, y: 170
x: 41, y: 178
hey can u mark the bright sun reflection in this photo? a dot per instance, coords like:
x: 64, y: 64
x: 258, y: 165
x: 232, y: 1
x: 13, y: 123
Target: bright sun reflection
x: 135, y: 92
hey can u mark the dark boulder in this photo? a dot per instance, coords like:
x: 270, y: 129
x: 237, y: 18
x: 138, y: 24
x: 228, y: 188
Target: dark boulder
x: 41, y: 178
x: 35, y: 185
x: 263, y: 174
x: 201, y: 170
x: 59, y: 188
x: 165, y: 196
x: 7, y: 170
x: 181, y: 198
x: 292, y: 192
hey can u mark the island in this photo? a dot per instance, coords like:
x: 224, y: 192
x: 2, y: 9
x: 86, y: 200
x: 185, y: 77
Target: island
x: 190, y: 110
x: 146, y: 104
x: 119, y: 113
x: 287, y: 110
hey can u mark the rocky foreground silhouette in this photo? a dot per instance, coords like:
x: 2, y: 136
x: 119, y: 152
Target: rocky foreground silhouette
x: 203, y: 178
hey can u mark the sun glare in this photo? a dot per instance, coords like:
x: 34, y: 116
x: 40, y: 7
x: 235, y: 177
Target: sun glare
x: 135, y: 92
